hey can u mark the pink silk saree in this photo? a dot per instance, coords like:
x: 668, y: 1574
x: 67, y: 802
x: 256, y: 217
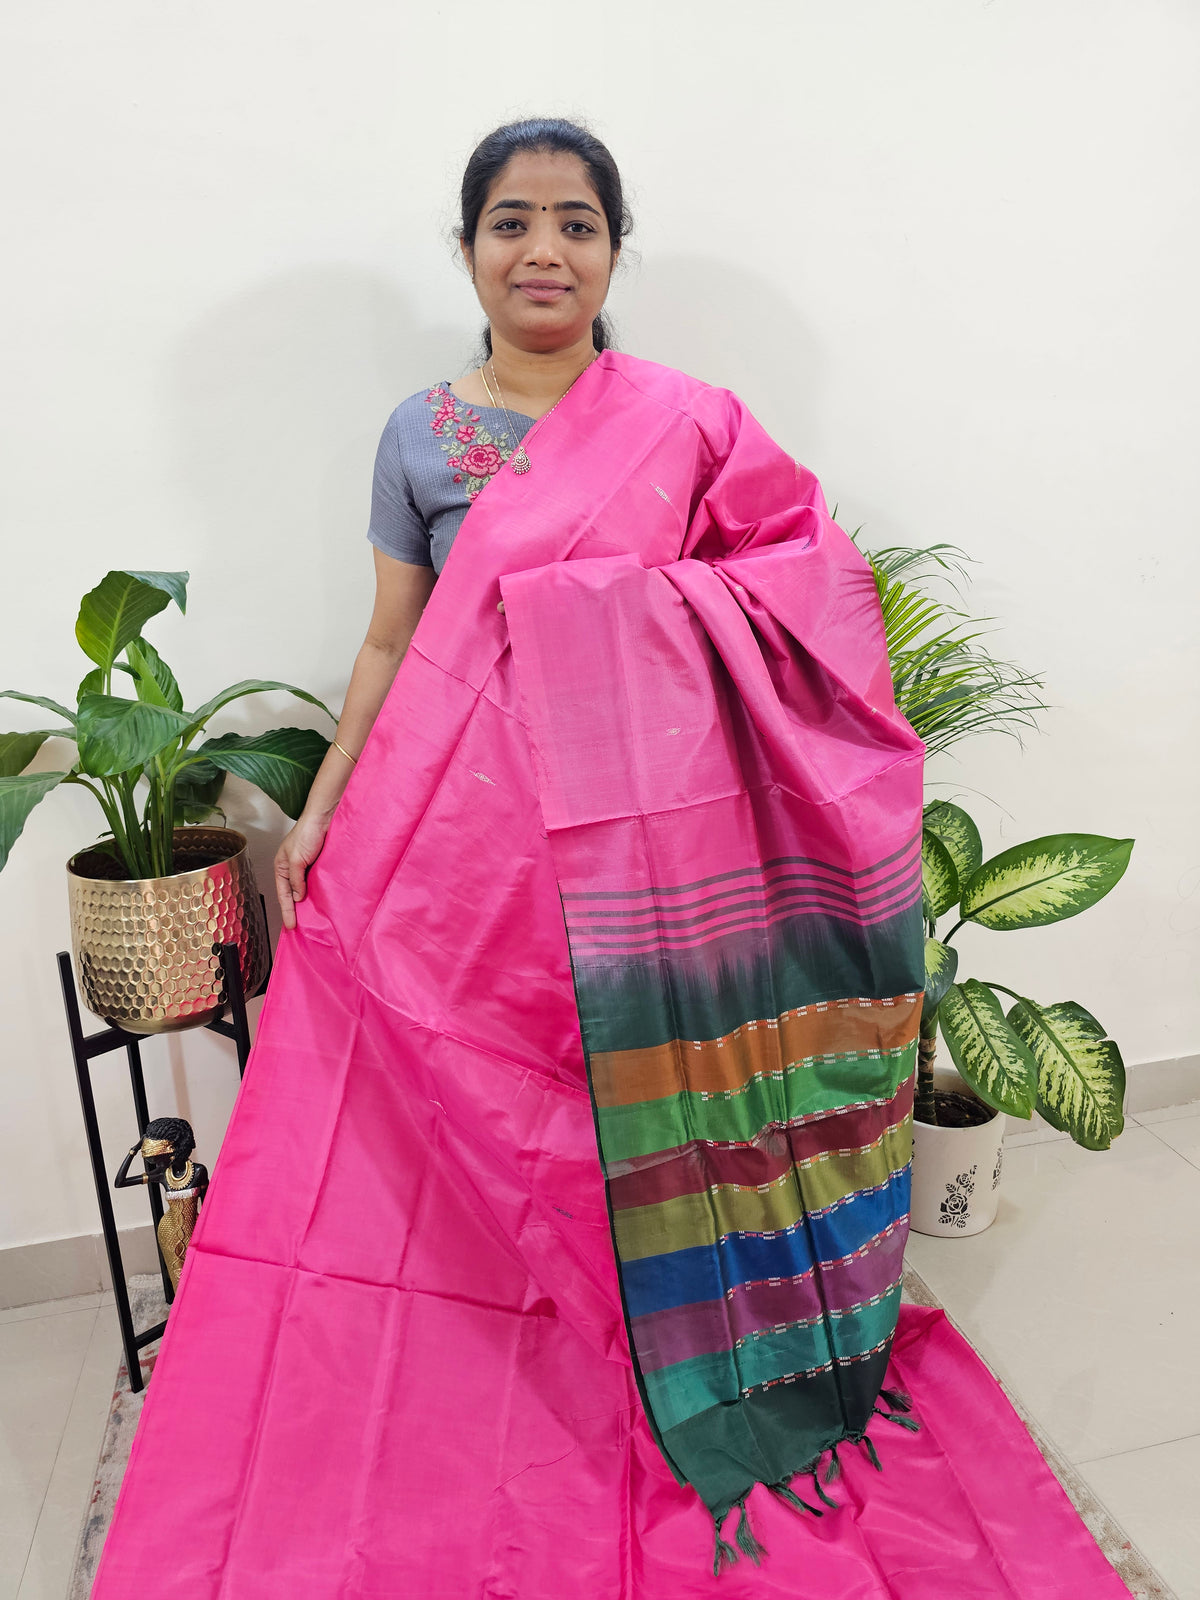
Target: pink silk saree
x: 561, y: 1212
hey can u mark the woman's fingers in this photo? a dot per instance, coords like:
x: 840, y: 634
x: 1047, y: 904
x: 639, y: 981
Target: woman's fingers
x: 283, y: 892
x: 292, y: 862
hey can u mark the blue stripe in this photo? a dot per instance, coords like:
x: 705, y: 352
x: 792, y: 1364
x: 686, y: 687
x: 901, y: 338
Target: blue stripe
x: 848, y: 1226
x: 705, y: 1272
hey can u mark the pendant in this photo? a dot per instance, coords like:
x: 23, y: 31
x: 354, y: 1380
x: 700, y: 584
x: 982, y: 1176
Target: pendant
x: 520, y: 462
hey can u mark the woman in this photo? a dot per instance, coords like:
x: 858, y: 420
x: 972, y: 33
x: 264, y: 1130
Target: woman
x: 541, y: 266
x: 564, y: 1199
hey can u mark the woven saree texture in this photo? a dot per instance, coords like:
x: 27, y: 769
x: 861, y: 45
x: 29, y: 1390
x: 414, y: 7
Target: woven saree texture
x: 741, y: 894
x: 563, y: 1199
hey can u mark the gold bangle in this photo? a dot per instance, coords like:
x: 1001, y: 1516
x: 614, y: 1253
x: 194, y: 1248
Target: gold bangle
x: 346, y: 753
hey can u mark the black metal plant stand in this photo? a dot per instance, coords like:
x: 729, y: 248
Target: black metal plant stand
x: 84, y: 1047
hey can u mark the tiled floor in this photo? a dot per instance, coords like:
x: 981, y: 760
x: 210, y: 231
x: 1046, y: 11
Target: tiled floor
x: 1083, y: 1297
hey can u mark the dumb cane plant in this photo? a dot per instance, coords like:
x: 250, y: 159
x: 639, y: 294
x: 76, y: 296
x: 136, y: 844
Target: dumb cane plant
x: 1056, y: 1059
x: 122, y: 742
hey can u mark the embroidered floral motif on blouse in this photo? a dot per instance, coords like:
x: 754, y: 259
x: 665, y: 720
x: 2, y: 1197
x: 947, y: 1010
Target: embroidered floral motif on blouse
x: 472, y: 453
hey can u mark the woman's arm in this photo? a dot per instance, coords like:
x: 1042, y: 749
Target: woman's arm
x: 401, y: 591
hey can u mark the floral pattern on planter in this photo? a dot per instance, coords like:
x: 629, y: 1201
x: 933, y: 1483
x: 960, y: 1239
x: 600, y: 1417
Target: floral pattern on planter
x: 957, y: 1204
x: 457, y: 425
x: 999, y: 1167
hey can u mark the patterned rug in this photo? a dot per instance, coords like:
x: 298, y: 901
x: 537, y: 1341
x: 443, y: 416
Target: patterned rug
x: 146, y: 1300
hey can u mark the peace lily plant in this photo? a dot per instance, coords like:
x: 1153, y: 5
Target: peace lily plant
x: 1056, y: 1059
x: 146, y: 738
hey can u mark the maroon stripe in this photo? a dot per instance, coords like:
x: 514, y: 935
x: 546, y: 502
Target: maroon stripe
x: 677, y: 916
x: 897, y: 900
x: 692, y: 1168
x: 663, y: 1337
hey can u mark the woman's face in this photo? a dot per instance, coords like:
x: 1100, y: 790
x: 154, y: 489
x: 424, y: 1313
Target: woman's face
x: 541, y: 259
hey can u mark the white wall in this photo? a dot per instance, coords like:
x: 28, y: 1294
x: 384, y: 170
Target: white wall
x: 946, y: 251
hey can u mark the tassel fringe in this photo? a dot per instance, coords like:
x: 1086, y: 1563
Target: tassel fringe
x: 828, y: 1499
x: 724, y: 1555
x: 897, y: 1403
x: 910, y: 1423
x: 747, y: 1543
x: 897, y: 1399
x: 791, y: 1498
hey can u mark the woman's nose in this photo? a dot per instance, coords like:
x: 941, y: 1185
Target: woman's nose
x: 543, y: 248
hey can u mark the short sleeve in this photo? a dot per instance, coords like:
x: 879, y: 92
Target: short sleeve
x: 397, y: 527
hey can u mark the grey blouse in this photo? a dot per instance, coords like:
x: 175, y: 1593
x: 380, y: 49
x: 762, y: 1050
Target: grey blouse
x: 436, y: 454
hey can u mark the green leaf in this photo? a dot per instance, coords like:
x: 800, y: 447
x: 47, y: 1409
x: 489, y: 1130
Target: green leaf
x: 197, y: 790
x: 251, y: 686
x: 939, y: 880
x: 156, y: 681
x: 93, y: 682
x: 18, y: 796
x: 282, y: 763
x: 17, y: 750
x: 945, y: 682
x: 958, y: 833
x: 38, y: 700
x: 172, y: 583
x: 1081, y: 1077
x: 1044, y: 880
x: 118, y: 735
x: 116, y: 610
x: 941, y: 963
x: 997, y: 1064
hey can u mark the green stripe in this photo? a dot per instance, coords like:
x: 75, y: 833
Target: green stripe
x: 647, y: 1126
x: 774, y: 1432
x: 698, y: 1219
x: 638, y: 1001
x: 686, y: 1388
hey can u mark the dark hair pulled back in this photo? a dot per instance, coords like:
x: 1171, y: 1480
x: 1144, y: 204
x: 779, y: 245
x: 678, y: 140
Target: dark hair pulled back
x: 536, y: 134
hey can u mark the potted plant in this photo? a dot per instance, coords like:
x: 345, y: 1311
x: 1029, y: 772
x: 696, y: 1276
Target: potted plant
x: 155, y: 897
x: 1057, y: 1059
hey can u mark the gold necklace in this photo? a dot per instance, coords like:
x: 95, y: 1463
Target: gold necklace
x: 519, y: 461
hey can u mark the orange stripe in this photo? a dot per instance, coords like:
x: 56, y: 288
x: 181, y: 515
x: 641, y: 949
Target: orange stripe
x: 834, y: 1027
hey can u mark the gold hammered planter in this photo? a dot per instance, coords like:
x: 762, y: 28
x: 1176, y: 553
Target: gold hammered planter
x: 147, y: 950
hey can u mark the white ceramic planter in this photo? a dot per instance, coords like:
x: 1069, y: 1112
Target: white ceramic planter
x: 956, y: 1172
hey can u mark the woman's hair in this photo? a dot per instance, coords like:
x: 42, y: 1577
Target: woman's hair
x: 536, y: 134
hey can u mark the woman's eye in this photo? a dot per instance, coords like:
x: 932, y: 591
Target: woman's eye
x: 507, y: 224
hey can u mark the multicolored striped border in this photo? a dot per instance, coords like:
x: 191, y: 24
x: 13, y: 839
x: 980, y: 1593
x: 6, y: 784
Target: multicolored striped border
x: 751, y: 1042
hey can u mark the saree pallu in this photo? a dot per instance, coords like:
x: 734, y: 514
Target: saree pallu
x: 562, y: 1208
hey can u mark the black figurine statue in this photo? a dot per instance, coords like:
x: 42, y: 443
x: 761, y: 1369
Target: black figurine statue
x: 167, y: 1145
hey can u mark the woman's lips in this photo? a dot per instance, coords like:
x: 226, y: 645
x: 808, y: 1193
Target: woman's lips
x: 543, y: 291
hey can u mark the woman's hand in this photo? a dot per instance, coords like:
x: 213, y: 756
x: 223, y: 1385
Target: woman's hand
x: 300, y: 848
x: 401, y: 591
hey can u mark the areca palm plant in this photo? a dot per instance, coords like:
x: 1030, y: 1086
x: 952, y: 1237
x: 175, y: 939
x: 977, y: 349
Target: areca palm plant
x: 1057, y: 1058
x: 137, y: 752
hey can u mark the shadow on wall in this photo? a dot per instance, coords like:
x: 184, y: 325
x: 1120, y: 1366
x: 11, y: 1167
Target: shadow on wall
x: 728, y: 326
x: 272, y: 405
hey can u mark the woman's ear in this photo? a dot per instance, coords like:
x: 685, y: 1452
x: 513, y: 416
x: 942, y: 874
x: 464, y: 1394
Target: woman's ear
x: 466, y: 255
